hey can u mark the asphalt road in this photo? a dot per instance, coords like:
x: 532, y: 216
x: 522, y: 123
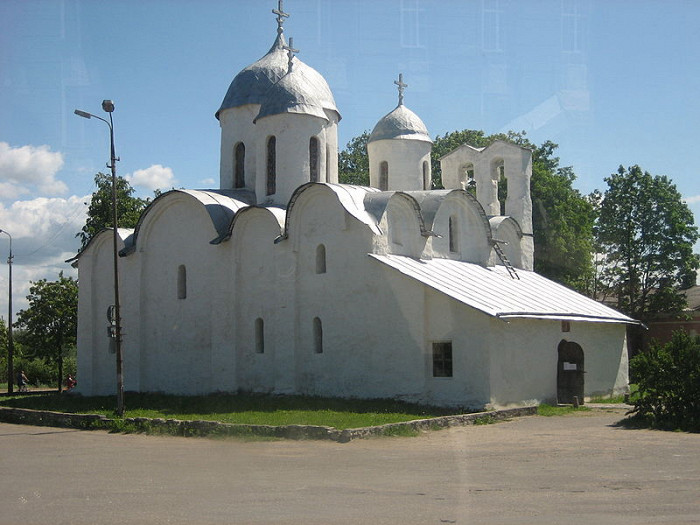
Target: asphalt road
x: 579, y: 469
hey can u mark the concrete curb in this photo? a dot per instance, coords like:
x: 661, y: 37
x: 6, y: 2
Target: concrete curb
x: 24, y: 416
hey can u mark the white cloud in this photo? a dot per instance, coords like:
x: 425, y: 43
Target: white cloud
x: 692, y: 200
x: 29, y: 166
x: 43, y: 237
x: 209, y: 183
x: 156, y: 177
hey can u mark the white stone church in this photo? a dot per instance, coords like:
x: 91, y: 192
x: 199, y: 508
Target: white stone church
x: 284, y: 281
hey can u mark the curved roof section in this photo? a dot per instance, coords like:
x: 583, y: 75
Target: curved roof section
x: 253, y: 83
x: 221, y: 205
x: 402, y: 123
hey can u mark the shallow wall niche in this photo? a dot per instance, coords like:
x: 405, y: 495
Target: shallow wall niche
x: 259, y: 336
x: 182, y: 282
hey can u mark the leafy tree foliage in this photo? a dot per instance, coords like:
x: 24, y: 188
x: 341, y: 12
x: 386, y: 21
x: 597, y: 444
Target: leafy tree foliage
x: 353, y: 162
x: 669, y: 383
x: 646, y: 234
x: 562, y: 217
x: 49, y: 325
x: 129, y: 208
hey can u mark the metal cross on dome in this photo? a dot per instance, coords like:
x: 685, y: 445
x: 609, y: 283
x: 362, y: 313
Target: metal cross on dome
x: 281, y: 15
x: 402, y: 86
x: 290, y: 53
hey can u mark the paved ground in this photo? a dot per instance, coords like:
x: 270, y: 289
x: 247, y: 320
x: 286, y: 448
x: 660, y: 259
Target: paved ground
x: 577, y: 469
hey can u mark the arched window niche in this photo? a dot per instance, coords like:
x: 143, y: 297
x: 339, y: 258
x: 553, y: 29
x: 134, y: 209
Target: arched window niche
x: 320, y: 259
x: 239, y: 166
x: 271, y: 187
x: 318, y: 335
x: 384, y: 176
x: 181, y: 282
x: 313, y: 159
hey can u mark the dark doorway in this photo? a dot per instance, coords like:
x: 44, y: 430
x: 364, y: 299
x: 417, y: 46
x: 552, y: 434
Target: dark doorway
x: 570, y: 373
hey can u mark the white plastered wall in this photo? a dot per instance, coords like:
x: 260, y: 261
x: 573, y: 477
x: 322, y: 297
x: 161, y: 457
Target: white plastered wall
x: 524, y: 356
x: 253, y: 294
x: 237, y: 126
x: 405, y: 158
x: 292, y: 133
x: 177, y: 333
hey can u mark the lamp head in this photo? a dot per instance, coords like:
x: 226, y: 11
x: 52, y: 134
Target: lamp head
x: 108, y: 106
x: 83, y: 114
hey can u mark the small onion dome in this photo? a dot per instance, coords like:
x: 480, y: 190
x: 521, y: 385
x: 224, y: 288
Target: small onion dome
x: 402, y: 123
x: 253, y: 83
x: 303, y: 90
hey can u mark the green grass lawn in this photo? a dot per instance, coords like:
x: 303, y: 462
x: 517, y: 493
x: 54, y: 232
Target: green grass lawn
x: 239, y: 408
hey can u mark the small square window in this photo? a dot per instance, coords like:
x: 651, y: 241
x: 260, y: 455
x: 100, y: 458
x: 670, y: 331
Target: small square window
x: 442, y: 359
x: 565, y: 326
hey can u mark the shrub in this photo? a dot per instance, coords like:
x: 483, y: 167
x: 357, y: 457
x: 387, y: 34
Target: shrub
x: 668, y: 377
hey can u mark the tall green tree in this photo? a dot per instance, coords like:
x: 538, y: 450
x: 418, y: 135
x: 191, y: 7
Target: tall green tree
x: 50, y: 322
x: 353, y: 162
x: 645, y: 233
x: 562, y: 217
x: 129, y: 208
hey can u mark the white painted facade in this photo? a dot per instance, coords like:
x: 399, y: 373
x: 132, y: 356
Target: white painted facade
x: 334, y: 290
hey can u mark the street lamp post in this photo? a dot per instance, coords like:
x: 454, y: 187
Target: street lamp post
x: 10, y: 344
x: 108, y: 106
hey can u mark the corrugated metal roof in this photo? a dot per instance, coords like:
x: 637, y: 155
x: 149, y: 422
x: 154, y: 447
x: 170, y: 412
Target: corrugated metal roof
x: 492, y: 290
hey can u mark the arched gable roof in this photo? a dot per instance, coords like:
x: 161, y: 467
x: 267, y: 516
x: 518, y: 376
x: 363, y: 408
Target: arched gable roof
x: 221, y: 205
x: 496, y: 222
x: 351, y: 198
x: 126, y: 235
x: 276, y: 212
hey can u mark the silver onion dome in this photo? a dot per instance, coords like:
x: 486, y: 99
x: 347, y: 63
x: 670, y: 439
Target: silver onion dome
x: 302, y: 91
x: 401, y: 123
x: 260, y: 83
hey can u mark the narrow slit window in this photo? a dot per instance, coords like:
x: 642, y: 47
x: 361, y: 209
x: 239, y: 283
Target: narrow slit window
x: 271, y: 166
x: 442, y: 359
x: 181, y: 282
x: 259, y: 336
x: 453, y: 234
x: 426, y: 176
x: 320, y: 259
x: 318, y: 336
x: 239, y: 173
x: 384, y: 176
x: 313, y: 160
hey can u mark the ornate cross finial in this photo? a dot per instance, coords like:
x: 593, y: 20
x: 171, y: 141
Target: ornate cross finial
x: 281, y: 15
x: 290, y: 53
x: 401, y: 85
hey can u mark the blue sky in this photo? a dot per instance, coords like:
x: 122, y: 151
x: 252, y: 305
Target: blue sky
x: 612, y: 82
